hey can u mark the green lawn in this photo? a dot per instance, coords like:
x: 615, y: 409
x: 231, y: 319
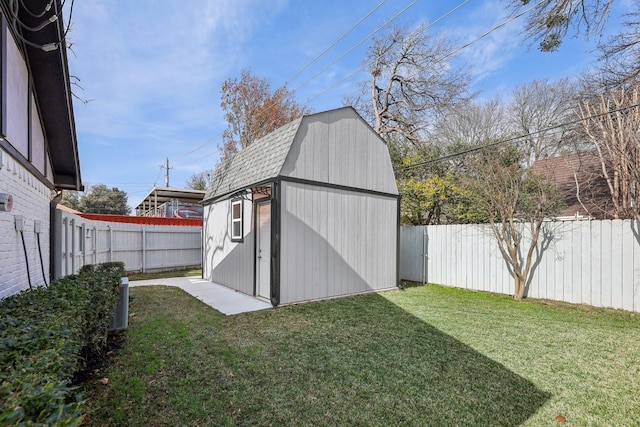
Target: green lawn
x: 423, y: 356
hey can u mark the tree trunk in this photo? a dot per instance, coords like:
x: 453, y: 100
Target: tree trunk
x: 520, y: 283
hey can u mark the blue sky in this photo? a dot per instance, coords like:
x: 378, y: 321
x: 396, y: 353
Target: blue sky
x: 152, y: 70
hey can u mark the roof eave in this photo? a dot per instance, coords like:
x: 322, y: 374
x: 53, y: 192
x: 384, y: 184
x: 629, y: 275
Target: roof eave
x: 51, y: 80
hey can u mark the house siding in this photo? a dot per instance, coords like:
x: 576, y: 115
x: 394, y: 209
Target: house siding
x: 335, y: 242
x: 31, y: 200
x: 225, y: 262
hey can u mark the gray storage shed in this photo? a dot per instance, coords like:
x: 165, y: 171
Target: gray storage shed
x: 310, y: 211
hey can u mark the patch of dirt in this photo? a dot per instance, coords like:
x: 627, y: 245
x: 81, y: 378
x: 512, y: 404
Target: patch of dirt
x: 97, y: 361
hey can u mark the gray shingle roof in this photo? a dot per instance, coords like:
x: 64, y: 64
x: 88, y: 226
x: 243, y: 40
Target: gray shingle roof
x: 260, y: 161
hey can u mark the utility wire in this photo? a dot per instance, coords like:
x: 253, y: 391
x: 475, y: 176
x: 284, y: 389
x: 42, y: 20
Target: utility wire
x: 512, y: 139
x: 393, y: 18
x: 337, y: 41
x: 218, y: 137
x: 500, y: 25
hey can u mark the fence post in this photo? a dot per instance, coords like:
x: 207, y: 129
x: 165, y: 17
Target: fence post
x: 425, y: 239
x: 110, y: 243
x: 83, y: 243
x: 73, y: 245
x: 95, y: 244
x: 144, y: 254
x: 65, y: 221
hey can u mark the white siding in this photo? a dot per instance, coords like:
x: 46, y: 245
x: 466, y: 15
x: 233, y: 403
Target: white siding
x: 335, y: 243
x: 17, y: 97
x: 225, y: 262
x: 338, y: 147
x: 585, y: 262
x: 31, y: 200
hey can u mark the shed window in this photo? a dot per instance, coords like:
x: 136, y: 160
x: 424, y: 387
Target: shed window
x: 236, y: 221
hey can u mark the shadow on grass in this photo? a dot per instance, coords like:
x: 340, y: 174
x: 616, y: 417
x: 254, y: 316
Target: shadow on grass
x: 359, y: 361
x: 366, y: 361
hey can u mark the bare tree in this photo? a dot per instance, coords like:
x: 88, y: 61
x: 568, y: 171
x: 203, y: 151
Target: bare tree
x: 620, y: 55
x: 551, y: 20
x: 200, y: 181
x: 411, y: 81
x: 516, y: 202
x: 471, y: 123
x: 612, y: 124
x: 535, y: 109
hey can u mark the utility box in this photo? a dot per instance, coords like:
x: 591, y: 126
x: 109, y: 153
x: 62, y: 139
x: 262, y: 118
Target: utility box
x: 120, y: 319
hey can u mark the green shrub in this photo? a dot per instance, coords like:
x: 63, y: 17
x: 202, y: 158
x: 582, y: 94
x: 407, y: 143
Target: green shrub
x: 46, y: 335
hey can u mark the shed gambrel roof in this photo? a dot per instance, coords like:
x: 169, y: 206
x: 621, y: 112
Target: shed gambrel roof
x: 259, y: 162
x: 267, y: 158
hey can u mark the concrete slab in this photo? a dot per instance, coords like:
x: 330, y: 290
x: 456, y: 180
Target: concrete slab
x: 223, y: 299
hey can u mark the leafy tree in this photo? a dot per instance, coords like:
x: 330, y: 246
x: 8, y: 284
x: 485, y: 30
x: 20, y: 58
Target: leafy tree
x: 70, y: 199
x: 411, y: 82
x: 252, y: 110
x: 515, y: 202
x: 436, y: 200
x: 103, y: 200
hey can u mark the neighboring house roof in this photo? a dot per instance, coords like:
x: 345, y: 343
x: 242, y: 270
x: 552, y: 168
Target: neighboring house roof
x: 579, y: 179
x: 50, y: 74
x: 276, y: 154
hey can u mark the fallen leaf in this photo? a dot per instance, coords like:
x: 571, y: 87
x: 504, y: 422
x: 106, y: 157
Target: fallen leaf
x: 105, y: 380
x: 561, y: 419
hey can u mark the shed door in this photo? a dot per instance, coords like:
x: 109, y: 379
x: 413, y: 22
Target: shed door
x: 263, y: 251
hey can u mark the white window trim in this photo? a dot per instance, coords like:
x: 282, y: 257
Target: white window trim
x: 234, y: 221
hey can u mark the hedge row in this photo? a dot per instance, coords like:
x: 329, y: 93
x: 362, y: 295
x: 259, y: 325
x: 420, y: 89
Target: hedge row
x: 46, y: 335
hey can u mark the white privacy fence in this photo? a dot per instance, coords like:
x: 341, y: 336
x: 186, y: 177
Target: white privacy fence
x: 145, y: 248
x: 584, y: 262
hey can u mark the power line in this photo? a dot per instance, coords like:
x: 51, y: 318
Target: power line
x: 500, y: 25
x: 219, y: 137
x: 210, y: 141
x: 512, y: 139
x: 366, y: 39
x: 336, y: 42
x: 357, y: 45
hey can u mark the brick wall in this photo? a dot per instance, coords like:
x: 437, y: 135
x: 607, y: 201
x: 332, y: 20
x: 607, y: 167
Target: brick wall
x: 31, y: 200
